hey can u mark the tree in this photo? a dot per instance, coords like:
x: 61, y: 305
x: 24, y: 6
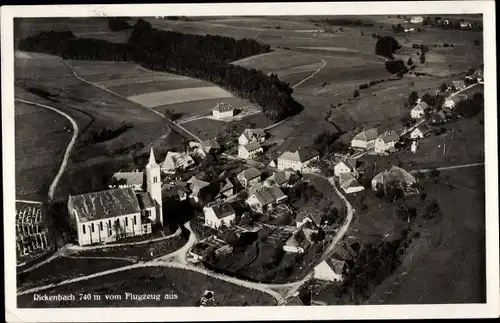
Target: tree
x: 422, y: 58
x: 443, y: 87
x: 386, y: 46
x: 410, y: 62
x: 432, y: 210
x: 355, y: 94
x: 412, y: 98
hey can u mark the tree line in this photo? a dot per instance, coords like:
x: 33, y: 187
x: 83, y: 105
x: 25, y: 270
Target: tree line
x: 205, y: 57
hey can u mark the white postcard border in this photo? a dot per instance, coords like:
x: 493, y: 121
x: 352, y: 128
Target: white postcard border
x: 490, y: 309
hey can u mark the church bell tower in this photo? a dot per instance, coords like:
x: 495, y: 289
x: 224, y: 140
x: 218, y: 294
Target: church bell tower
x: 153, y: 185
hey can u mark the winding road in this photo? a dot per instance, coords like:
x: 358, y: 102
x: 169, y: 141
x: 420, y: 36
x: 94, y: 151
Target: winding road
x: 70, y: 146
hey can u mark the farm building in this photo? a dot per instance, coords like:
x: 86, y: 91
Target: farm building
x: 176, y: 161
x: 266, y: 198
x: 223, y: 110
x: 347, y: 165
x: 252, y: 135
x: 418, y: 111
x: 133, y: 179
x: 386, y: 141
x: 297, y: 160
x: 299, y: 241
x: 31, y: 230
x: 420, y: 132
x: 395, y: 175
x: 219, y: 214
x: 110, y: 215
x: 195, y: 186
x: 349, y: 184
x: 205, y: 246
x: 459, y: 84
x: 417, y: 20
x: 249, y: 177
x: 331, y: 269
x: 250, y: 151
x: 314, y: 216
x: 365, y: 139
x: 226, y: 189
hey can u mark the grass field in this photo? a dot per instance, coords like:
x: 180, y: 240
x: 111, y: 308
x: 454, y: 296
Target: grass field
x: 41, y: 137
x: 187, y: 285
x: 63, y: 268
x: 450, y: 254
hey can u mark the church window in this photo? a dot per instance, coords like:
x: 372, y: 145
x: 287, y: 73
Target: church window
x: 100, y: 225
x: 92, y: 227
x: 155, y: 179
x: 135, y: 220
x: 126, y: 222
x: 83, y: 228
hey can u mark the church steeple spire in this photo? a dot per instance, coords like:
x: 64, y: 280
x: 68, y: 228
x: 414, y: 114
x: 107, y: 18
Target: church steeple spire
x: 152, y: 159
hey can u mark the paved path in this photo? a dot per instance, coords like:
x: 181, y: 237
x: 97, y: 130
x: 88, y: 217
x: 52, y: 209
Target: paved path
x: 170, y: 122
x: 70, y: 146
x: 425, y: 170
x: 61, y: 252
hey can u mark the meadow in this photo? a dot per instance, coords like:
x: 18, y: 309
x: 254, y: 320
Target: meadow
x: 41, y: 137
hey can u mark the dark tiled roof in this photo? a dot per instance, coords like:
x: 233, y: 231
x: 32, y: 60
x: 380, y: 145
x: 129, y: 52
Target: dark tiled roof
x: 252, y: 146
x: 307, y: 153
x: 145, y: 200
x: 367, y: 135
x: 223, y: 210
x: 221, y: 107
x: 252, y: 134
x: 250, y: 173
x: 105, y: 204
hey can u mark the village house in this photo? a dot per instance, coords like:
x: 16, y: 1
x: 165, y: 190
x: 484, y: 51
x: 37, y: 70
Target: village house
x: 226, y: 189
x: 266, y: 198
x: 420, y: 132
x: 209, y: 146
x: 297, y: 160
x: 300, y: 240
x: 459, y: 84
x: 133, y: 179
x: 313, y: 216
x: 419, y: 110
x: 452, y: 101
x: 195, y: 186
x: 349, y: 184
x: 284, y: 178
x: 250, y: 151
x: 249, y: 177
x: 176, y: 161
x: 386, y: 142
x: 252, y: 135
x: 107, y: 216
x: 347, y: 165
x: 394, y: 176
x: 438, y: 117
x: 177, y: 191
x: 206, y: 246
x: 365, y: 139
x: 217, y: 214
x: 223, y: 110
x: 331, y: 270
x: 417, y: 20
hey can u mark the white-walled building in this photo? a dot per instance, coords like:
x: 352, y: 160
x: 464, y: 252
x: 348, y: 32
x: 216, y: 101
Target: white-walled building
x: 365, y: 139
x: 266, y: 198
x: 249, y: 177
x: 420, y: 132
x: 417, y: 20
x: 386, y: 141
x: 223, y: 110
x: 349, y: 184
x: 418, y: 111
x: 330, y: 269
x: 176, y: 161
x: 297, y: 160
x: 218, y: 214
x: 250, y: 151
x: 153, y: 185
x: 251, y: 135
x: 128, y: 179
x: 345, y: 166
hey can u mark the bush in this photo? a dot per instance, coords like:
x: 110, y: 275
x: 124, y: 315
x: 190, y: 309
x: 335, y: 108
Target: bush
x: 395, y: 67
x: 363, y: 86
x: 422, y: 58
x: 355, y: 94
x: 410, y: 62
x: 443, y: 87
x: 386, y: 46
x: 446, y: 45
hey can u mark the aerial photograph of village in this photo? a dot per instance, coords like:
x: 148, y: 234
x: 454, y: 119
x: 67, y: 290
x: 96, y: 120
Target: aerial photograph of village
x: 249, y: 160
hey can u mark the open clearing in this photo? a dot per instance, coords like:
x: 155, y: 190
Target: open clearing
x: 41, y: 137
x: 187, y: 285
x: 154, y: 99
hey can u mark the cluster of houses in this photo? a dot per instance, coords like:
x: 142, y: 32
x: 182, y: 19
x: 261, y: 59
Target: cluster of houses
x: 250, y: 143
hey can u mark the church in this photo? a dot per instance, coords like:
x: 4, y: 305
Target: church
x: 110, y: 215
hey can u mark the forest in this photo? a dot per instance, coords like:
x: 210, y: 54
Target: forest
x: 206, y: 57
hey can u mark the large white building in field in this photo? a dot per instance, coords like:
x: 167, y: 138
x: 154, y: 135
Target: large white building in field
x: 114, y: 214
x: 223, y: 110
x: 297, y: 160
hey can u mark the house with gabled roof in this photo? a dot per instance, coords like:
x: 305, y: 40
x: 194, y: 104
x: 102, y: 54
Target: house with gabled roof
x: 177, y: 191
x: 208, y: 146
x: 300, y: 240
x: 386, y: 142
x: 347, y: 165
x: 298, y: 159
x: 365, y: 139
x: 419, y: 110
x: 176, y: 161
x: 223, y: 110
x: 226, y: 189
x: 251, y: 135
x: 309, y: 215
x: 285, y: 178
x: 133, y: 179
x: 330, y: 269
x: 217, y: 214
x: 420, y: 132
x: 195, y: 186
x: 395, y: 176
x: 266, y: 198
x: 250, y: 150
x: 349, y: 183
x: 249, y: 177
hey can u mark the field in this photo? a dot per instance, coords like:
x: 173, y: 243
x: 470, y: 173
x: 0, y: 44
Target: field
x: 187, y: 285
x: 450, y: 255
x: 41, y: 137
x: 48, y: 80
x: 63, y: 268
